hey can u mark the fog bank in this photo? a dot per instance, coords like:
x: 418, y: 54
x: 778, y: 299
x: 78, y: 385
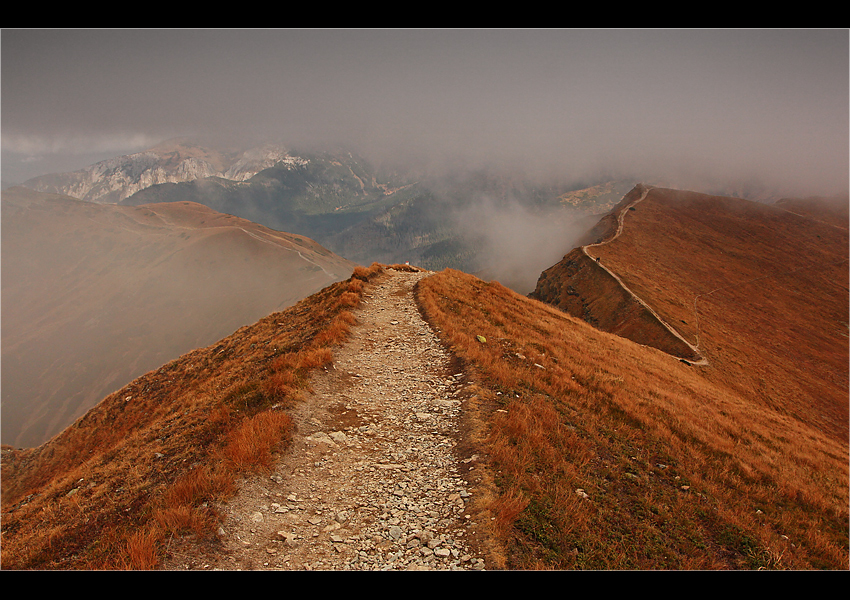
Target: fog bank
x: 763, y: 105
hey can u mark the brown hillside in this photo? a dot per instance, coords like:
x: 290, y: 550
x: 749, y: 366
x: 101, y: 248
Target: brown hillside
x: 579, y: 287
x: 604, y: 454
x: 831, y: 210
x: 760, y: 291
x: 148, y: 462
x: 96, y: 295
x: 582, y: 287
x: 606, y: 227
x: 586, y: 450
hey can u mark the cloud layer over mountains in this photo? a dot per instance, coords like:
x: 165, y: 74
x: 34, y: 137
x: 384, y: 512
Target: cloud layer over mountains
x: 752, y: 105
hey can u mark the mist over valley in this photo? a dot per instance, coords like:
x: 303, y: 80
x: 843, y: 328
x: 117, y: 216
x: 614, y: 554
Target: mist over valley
x: 95, y: 295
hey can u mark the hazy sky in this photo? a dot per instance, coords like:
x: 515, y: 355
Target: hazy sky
x: 768, y: 104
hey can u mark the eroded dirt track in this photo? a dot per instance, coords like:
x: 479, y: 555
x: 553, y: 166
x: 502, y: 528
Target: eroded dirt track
x: 372, y: 480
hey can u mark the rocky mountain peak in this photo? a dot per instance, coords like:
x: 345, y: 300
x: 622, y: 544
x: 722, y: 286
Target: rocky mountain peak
x: 173, y: 161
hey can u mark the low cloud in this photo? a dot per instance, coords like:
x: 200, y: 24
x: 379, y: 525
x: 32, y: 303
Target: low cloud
x: 77, y: 143
x: 26, y: 156
x: 516, y: 242
x: 743, y: 104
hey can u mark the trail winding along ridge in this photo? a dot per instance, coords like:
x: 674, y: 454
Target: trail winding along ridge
x: 372, y: 480
x: 620, y: 223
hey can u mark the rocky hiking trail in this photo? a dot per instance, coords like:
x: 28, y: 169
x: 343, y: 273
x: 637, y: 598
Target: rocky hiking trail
x: 373, y: 479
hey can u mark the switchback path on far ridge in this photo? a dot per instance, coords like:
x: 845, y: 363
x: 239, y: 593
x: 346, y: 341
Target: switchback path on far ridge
x: 373, y: 479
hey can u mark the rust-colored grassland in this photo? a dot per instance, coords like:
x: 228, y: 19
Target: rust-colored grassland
x: 149, y: 462
x: 611, y: 454
x: 596, y: 451
x: 605, y: 454
x: 761, y: 291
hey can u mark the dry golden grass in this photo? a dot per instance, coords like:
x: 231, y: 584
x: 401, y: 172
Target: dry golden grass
x: 151, y: 460
x: 679, y: 471
x: 762, y: 290
x: 249, y: 447
x: 142, y: 549
x: 600, y: 453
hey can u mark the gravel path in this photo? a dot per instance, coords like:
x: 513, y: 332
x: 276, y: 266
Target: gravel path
x: 372, y: 480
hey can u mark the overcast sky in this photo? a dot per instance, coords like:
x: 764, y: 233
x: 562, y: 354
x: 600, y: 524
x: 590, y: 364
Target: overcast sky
x: 765, y: 104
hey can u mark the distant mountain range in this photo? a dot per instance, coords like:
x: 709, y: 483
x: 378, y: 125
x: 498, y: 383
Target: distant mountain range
x: 111, y: 181
x: 178, y: 224
x: 116, y: 268
x: 470, y: 220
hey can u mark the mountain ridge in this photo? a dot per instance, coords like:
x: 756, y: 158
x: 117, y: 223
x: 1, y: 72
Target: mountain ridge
x: 588, y: 451
x: 113, y: 180
x: 95, y: 294
x: 474, y: 221
x: 691, y: 257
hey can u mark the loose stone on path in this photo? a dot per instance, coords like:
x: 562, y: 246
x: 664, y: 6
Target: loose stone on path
x: 371, y: 481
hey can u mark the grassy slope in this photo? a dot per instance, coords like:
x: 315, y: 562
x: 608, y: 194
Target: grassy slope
x: 763, y: 291
x: 146, y: 462
x: 579, y: 287
x: 680, y: 469
x: 600, y: 453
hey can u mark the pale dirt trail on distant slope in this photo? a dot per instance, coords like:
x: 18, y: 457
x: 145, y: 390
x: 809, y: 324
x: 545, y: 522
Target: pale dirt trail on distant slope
x: 695, y: 347
x: 620, y: 223
x: 372, y: 480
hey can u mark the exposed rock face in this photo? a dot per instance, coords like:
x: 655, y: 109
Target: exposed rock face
x: 256, y: 159
x: 113, y: 180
